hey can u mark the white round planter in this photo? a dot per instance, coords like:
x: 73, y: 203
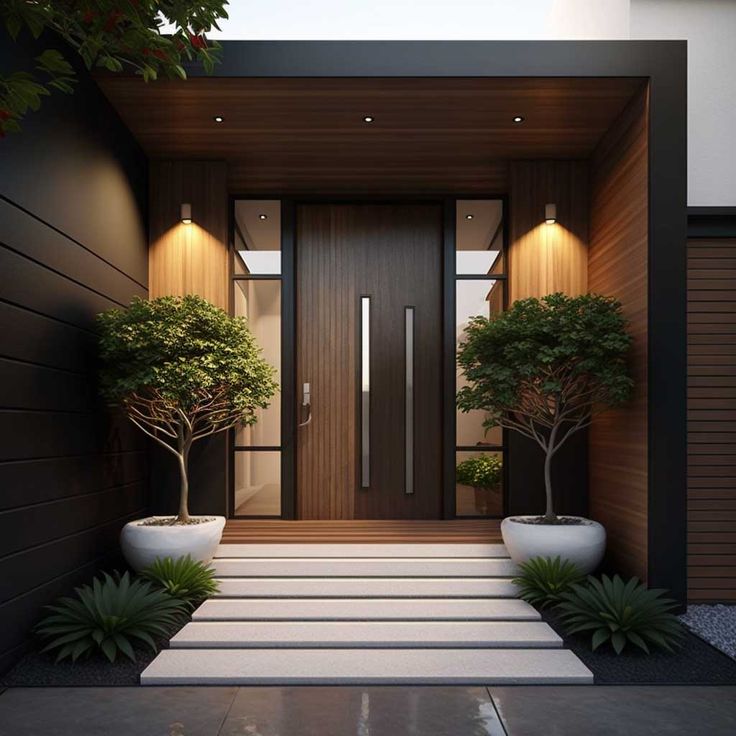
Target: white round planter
x: 142, y: 544
x: 582, y: 544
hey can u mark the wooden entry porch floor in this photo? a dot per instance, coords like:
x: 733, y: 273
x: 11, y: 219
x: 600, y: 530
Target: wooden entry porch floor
x: 468, y: 531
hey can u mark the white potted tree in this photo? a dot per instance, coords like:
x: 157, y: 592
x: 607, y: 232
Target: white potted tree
x: 181, y: 369
x: 543, y: 369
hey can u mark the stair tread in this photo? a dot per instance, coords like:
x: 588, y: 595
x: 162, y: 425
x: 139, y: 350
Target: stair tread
x: 365, y: 609
x: 239, y: 634
x: 363, y: 567
x: 364, y: 666
x: 374, y: 549
x: 365, y: 587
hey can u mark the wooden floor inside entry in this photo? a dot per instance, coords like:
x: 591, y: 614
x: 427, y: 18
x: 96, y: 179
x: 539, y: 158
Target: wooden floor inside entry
x: 243, y: 531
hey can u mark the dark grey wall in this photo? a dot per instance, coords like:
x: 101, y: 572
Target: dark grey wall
x: 72, y: 243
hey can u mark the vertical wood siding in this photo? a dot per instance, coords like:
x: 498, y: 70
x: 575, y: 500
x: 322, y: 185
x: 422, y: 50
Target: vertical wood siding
x: 617, y: 266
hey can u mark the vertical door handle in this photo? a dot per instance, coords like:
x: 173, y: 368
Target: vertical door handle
x: 409, y: 400
x: 306, y: 404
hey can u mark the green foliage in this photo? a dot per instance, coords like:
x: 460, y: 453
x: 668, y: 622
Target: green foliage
x: 542, y: 580
x: 620, y: 613
x: 110, y: 34
x: 107, y: 616
x: 541, y: 348
x: 480, y: 471
x: 544, y: 366
x: 181, y: 349
x: 185, y: 579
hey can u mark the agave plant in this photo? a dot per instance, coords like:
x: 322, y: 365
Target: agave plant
x: 185, y: 579
x: 107, y: 616
x: 542, y: 580
x: 621, y: 613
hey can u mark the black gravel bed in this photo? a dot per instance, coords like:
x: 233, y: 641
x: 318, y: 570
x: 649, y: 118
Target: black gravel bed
x: 38, y: 669
x: 696, y: 662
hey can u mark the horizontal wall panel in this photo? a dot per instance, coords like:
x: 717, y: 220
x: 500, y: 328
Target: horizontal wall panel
x: 38, y: 241
x: 36, y: 338
x: 26, y: 527
x: 29, y: 435
x: 24, y: 386
x: 37, y: 481
x: 712, y: 419
x: 29, y: 285
x: 30, y: 568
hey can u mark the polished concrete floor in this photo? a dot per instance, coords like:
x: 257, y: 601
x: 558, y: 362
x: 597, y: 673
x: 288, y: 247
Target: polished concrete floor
x: 369, y: 711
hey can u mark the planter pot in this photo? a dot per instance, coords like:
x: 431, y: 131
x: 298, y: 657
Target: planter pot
x: 142, y: 544
x: 582, y: 544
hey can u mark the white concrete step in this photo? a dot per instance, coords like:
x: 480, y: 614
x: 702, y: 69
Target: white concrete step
x: 365, y: 666
x: 360, y: 567
x: 366, y: 588
x: 376, y: 549
x: 366, y: 609
x: 256, y: 634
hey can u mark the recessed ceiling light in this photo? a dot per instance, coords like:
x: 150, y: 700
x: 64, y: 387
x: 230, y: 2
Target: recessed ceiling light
x: 218, y: 119
x: 368, y: 119
x: 469, y: 217
x: 262, y: 217
x: 518, y: 119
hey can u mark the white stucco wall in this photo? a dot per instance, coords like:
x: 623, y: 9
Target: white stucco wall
x: 710, y: 29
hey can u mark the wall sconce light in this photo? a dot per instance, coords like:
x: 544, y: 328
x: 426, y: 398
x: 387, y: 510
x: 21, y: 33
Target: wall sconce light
x: 186, y: 213
x: 550, y: 213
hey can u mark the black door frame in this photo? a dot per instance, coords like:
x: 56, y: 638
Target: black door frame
x: 289, y: 401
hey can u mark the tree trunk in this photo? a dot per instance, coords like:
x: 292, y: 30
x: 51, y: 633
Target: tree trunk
x: 549, y: 515
x: 184, y: 445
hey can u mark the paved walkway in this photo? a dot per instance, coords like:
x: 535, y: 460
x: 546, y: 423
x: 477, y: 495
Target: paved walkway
x: 369, y: 711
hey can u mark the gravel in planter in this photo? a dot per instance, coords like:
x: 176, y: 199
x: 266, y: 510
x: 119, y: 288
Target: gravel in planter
x: 39, y: 669
x: 694, y: 663
x: 714, y: 623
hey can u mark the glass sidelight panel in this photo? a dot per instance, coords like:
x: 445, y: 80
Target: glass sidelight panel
x: 475, y: 297
x: 365, y: 391
x: 259, y: 301
x: 257, y: 237
x: 479, y: 237
x: 479, y: 487
x: 257, y: 483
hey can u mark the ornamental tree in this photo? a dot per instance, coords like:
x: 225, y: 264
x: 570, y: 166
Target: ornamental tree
x: 115, y: 35
x: 545, y: 367
x: 182, y: 369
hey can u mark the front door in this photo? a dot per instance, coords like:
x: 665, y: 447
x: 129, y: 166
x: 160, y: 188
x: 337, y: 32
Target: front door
x: 369, y: 345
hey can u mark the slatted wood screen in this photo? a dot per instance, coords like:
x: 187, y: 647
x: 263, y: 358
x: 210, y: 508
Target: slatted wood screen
x: 712, y: 419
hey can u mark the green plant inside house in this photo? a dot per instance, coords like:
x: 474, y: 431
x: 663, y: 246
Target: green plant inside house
x: 146, y: 37
x: 183, y: 578
x: 182, y: 370
x: 110, y: 616
x: 480, y: 471
x: 620, y: 613
x: 544, y: 368
x: 542, y: 581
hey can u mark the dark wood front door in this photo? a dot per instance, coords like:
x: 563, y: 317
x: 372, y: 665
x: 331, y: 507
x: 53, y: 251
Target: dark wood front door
x: 372, y: 449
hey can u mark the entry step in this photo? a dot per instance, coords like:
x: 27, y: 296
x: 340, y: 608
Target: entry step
x: 366, y: 666
x: 366, y: 588
x: 278, y: 634
x: 360, y: 567
x: 366, y: 609
x: 375, y: 549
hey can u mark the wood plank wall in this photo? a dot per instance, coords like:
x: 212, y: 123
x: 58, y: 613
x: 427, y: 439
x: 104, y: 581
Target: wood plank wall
x: 72, y: 244
x: 545, y: 258
x: 189, y: 259
x: 618, y: 476
x: 712, y: 419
